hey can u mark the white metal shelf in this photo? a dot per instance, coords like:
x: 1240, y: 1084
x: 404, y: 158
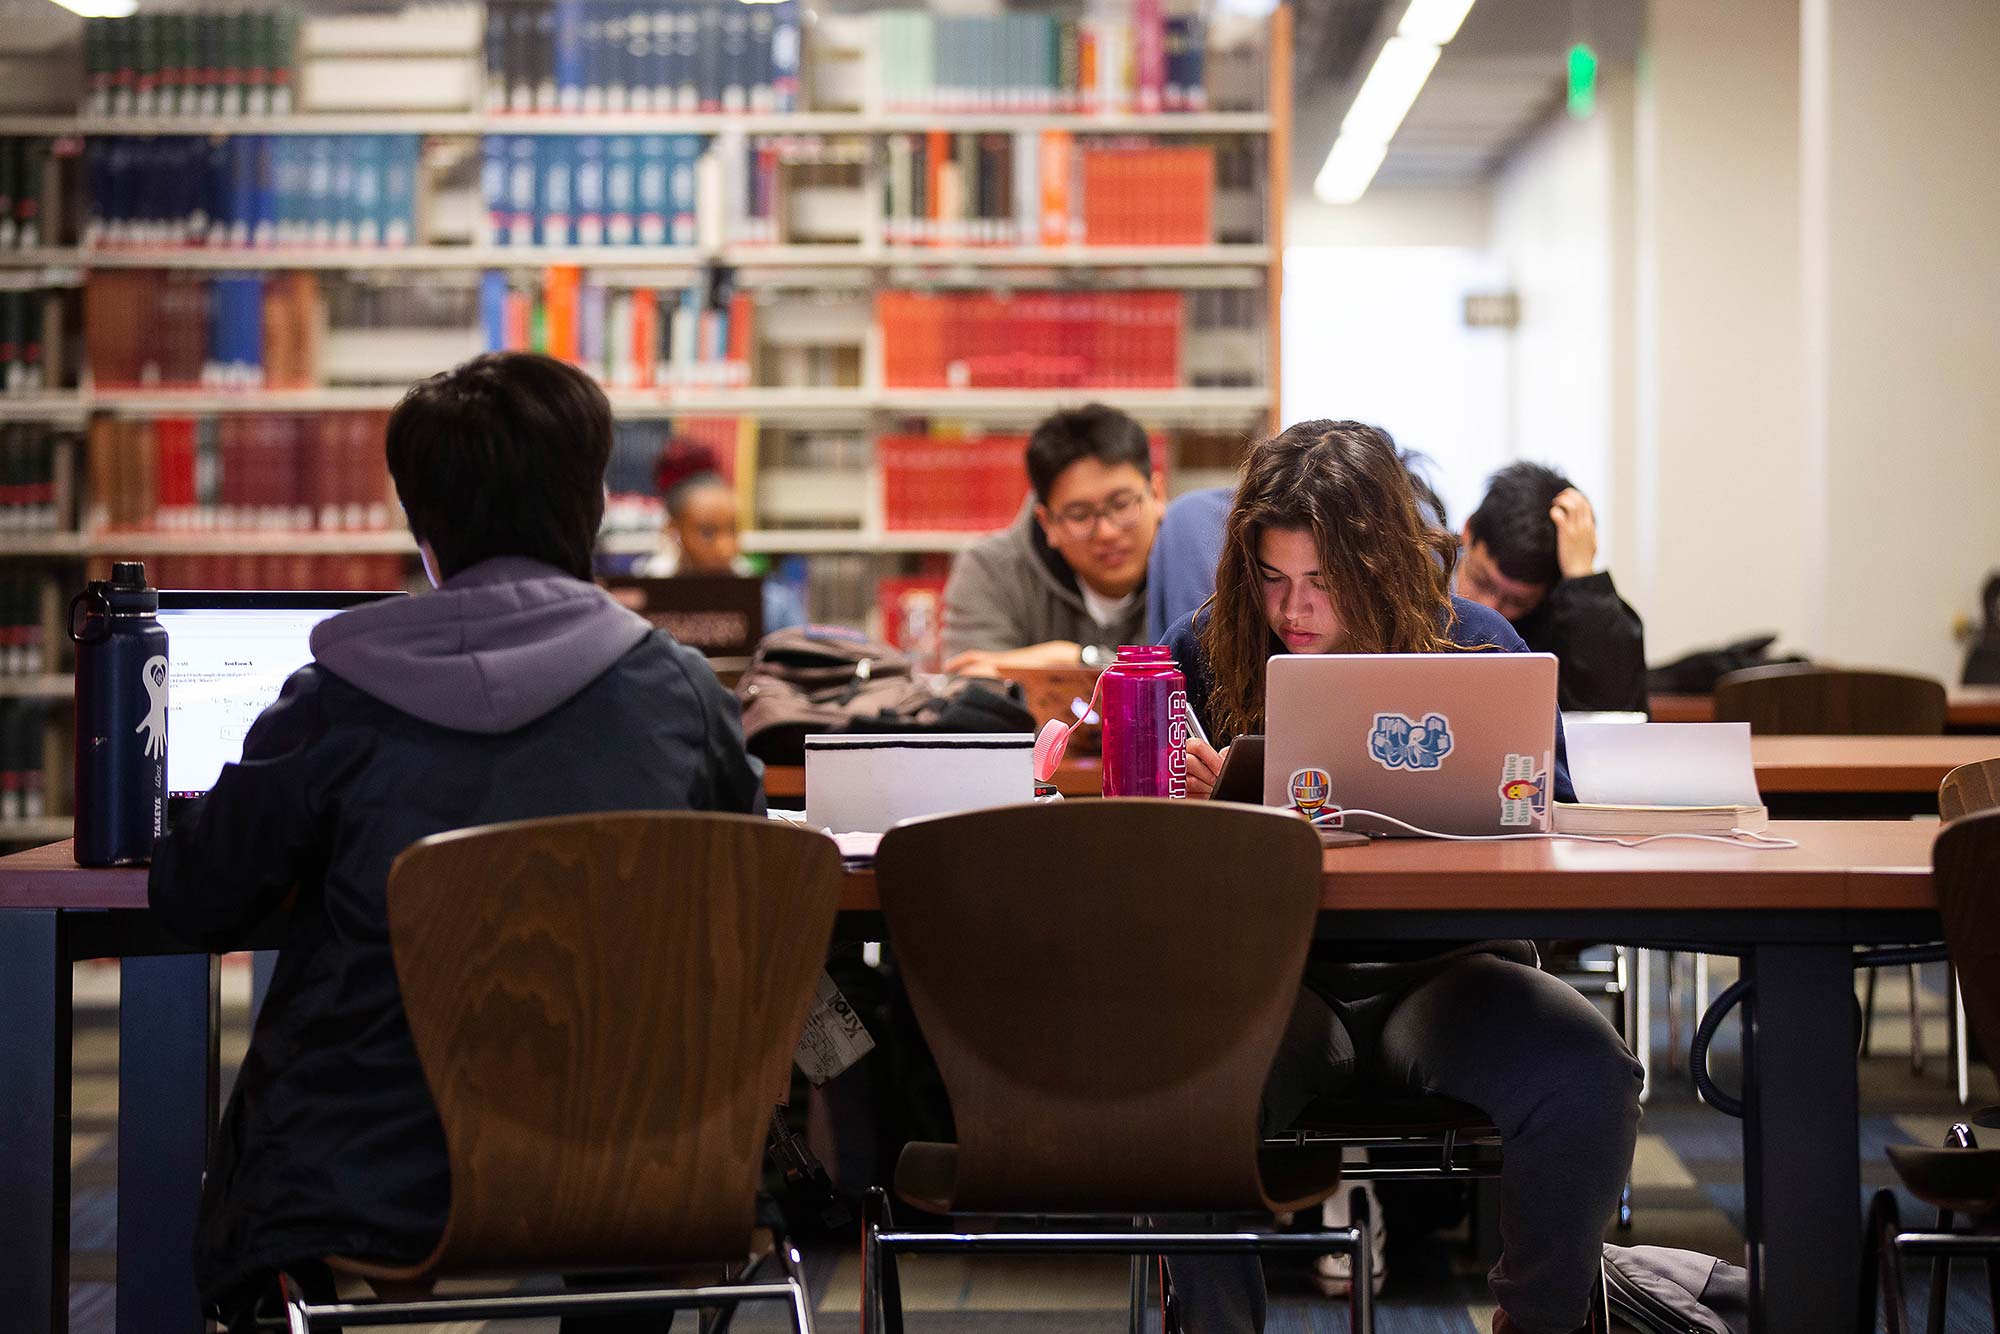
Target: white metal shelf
x: 47, y: 830
x: 62, y: 409
x: 243, y: 542
x: 42, y: 685
x: 797, y: 122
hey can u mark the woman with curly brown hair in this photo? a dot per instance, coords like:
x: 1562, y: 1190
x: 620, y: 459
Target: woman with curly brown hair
x: 1327, y: 550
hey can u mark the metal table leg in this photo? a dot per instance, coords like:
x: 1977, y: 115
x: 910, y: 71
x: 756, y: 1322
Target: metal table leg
x: 1802, y: 1139
x: 34, y: 1120
x: 166, y: 1112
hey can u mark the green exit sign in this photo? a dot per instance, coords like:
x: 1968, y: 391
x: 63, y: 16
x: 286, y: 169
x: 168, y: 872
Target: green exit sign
x: 1582, y: 81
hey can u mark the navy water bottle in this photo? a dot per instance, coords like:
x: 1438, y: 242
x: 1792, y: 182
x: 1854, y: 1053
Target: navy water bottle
x: 121, y: 718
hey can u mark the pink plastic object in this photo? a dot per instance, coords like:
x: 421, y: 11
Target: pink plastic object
x: 1145, y: 724
x: 1054, y: 737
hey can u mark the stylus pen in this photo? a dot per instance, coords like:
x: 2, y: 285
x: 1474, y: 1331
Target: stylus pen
x: 1194, y: 726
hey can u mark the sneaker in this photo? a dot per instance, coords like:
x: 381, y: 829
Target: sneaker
x: 1334, y: 1274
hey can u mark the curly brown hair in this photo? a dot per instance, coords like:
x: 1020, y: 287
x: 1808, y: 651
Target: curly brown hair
x: 1387, y: 565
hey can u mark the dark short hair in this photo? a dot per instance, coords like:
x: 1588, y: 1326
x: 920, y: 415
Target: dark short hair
x: 1514, y: 524
x: 1091, y: 431
x: 503, y: 456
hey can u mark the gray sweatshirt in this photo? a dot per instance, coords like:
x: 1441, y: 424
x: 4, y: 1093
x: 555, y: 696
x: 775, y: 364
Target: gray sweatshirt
x: 1011, y: 589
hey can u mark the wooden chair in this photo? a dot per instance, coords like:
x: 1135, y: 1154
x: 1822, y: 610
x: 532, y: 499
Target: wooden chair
x: 1969, y: 789
x: 1799, y: 698
x: 1959, y: 1178
x: 1104, y: 986
x: 605, y: 1008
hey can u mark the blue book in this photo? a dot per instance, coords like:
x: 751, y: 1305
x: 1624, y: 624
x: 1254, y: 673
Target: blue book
x: 569, y: 54
x: 288, y: 169
x: 620, y: 188
x: 660, y: 64
x: 587, y: 189
x: 617, y: 94
x: 346, y: 221
x: 708, y: 56
x: 319, y: 190
x: 593, y: 59
x: 554, y: 156
x: 523, y: 189
x: 264, y: 221
x: 493, y: 309
x: 242, y: 210
x: 399, y: 189
x: 687, y: 54
x: 493, y: 186
x: 735, y: 60
x: 681, y: 202
x: 654, y: 219
x: 763, y: 26
x: 638, y: 60
x: 364, y: 205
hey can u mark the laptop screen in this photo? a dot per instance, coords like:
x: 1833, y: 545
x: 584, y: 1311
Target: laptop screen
x: 229, y: 655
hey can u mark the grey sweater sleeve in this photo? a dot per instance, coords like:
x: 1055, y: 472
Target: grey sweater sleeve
x: 981, y: 606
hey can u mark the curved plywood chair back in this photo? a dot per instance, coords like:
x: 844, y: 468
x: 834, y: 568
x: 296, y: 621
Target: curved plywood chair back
x: 1104, y: 985
x: 606, y: 1009
x: 1965, y: 872
x: 1969, y: 789
x: 1792, y: 699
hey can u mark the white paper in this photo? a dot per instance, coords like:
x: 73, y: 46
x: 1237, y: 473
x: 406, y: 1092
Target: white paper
x: 1662, y: 764
x: 866, y: 782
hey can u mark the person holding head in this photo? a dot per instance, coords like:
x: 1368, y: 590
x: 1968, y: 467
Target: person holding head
x: 1066, y: 583
x: 1328, y: 550
x: 1530, y: 553
x: 517, y: 688
x: 702, y: 531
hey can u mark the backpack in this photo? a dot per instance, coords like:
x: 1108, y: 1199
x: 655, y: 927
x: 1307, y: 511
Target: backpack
x: 1697, y: 672
x: 1658, y: 1290
x: 823, y: 679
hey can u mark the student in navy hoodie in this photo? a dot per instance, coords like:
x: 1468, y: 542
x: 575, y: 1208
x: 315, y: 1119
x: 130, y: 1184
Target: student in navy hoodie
x: 1328, y: 550
x: 516, y: 688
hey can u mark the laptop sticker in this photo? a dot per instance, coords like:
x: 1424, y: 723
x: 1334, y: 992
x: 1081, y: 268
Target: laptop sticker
x: 1524, y: 792
x: 1404, y: 743
x: 1311, y: 789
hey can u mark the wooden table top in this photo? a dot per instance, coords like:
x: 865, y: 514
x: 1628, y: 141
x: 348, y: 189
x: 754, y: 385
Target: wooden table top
x: 1965, y: 706
x: 1826, y: 764
x: 1839, y: 864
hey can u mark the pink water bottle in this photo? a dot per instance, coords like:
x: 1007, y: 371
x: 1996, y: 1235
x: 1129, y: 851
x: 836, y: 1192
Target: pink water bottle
x: 1145, y: 724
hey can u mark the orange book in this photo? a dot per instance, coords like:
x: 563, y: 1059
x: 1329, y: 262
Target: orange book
x: 645, y: 336
x: 937, y: 157
x: 559, y: 296
x: 742, y: 327
x: 1055, y: 167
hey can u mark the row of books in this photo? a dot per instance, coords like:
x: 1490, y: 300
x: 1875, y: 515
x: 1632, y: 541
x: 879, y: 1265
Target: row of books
x: 24, y: 727
x: 1047, y: 189
x: 23, y: 168
x: 631, y: 55
x: 252, y: 190
x: 23, y: 369
x: 259, y: 472
x: 25, y: 601
x: 192, y: 63
x: 1030, y: 340
x: 631, y: 480
x: 150, y: 328
x: 35, y: 462
x: 629, y: 337
x: 277, y: 570
x: 620, y: 189
x: 938, y: 484
x: 1150, y: 62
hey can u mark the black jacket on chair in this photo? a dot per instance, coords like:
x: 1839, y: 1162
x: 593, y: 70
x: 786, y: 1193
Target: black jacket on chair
x: 513, y: 691
x: 1599, y: 643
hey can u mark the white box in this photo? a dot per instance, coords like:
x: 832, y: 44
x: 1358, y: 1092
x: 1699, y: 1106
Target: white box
x: 865, y: 783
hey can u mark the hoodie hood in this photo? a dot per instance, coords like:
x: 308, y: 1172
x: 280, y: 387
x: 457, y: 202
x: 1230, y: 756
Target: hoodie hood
x: 493, y: 648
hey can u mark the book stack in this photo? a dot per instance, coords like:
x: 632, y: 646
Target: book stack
x: 628, y: 337
x: 278, y: 570
x: 619, y: 189
x: 252, y: 190
x: 25, y: 183
x: 933, y: 483
x: 27, y: 318
x: 258, y: 472
x: 1148, y: 63
x: 1030, y: 340
x: 682, y: 56
x: 1045, y: 188
x: 36, y: 462
x: 23, y: 750
x: 24, y: 641
x: 170, y: 329
x: 192, y: 63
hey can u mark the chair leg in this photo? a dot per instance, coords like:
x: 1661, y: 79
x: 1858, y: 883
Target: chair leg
x: 1361, y: 1292
x: 1960, y: 1058
x: 1993, y: 1291
x: 1642, y: 1019
x: 1940, y: 1282
x: 1885, y: 1262
x: 1135, y: 1319
x: 1916, y: 1020
x: 872, y: 1206
x: 1868, y: 1015
x: 295, y: 1305
x: 795, y: 1269
x: 1674, y: 1052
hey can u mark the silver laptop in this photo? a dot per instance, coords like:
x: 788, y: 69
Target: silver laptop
x: 1453, y: 743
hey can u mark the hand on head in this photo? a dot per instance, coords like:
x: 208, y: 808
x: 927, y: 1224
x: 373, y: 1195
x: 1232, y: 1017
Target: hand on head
x: 1576, y: 534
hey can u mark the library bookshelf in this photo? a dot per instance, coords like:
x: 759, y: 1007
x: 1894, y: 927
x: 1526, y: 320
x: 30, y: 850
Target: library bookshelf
x: 807, y: 409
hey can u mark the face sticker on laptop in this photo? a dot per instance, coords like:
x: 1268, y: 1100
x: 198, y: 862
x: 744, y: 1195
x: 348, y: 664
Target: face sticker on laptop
x: 1405, y: 743
x: 1310, y: 790
x: 1524, y: 792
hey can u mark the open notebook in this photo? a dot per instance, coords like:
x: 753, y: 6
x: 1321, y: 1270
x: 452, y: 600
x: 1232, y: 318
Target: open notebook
x: 1660, y: 778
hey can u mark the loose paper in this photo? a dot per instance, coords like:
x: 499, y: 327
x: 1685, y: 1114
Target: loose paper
x: 1662, y: 764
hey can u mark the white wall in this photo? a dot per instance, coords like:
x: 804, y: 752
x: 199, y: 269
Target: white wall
x: 1377, y: 334
x: 1903, y: 322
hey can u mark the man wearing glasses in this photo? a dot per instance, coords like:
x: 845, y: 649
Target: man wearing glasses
x: 1065, y: 584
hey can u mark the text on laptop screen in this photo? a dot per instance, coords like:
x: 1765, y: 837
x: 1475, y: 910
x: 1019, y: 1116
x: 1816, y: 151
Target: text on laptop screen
x: 227, y: 666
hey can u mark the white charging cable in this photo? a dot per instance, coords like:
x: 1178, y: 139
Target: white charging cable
x: 1735, y: 838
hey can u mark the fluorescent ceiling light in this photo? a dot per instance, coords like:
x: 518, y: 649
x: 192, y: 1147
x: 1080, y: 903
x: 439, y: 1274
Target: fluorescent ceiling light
x: 101, y: 9
x: 1387, y: 92
x: 1433, y: 21
x: 1349, y: 168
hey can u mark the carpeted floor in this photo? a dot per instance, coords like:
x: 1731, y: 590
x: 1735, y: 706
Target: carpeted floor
x: 1687, y: 1192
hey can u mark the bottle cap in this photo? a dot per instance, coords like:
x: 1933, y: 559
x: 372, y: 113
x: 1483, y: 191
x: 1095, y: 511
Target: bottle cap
x: 128, y: 574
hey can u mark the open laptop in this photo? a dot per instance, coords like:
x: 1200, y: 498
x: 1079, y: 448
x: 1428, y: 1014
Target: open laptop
x: 229, y: 654
x: 1453, y: 743
x: 720, y: 615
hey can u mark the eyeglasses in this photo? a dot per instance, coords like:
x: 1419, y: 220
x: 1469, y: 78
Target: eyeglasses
x: 1079, y: 521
